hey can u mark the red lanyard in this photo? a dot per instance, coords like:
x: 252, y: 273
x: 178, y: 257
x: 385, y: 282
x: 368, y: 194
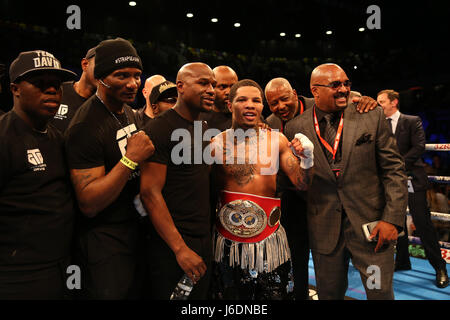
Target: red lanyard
x: 338, y: 134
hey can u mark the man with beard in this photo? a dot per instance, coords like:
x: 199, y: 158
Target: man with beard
x: 220, y: 117
x: 359, y: 178
x: 36, y: 205
x: 175, y: 188
x: 104, y: 149
x: 252, y: 254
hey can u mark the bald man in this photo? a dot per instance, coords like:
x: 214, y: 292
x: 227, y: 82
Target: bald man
x: 220, y: 116
x: 285, y: 103
x: 145, y: 114
x: 359, y: 178
x: 175, y: 192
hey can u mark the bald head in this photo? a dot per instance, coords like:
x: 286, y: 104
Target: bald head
x: 225, y: 78
x: 224, y: 71
x: 148, y: 86
x: 327, y: 97
x: 323, y: 73
x: 192, y: 70
x: 195, y: 85
x: 276, y: 84
x: 282, y: 99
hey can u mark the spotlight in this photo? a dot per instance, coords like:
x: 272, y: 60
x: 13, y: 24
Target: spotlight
x: 329, y: 32
x: 361, y: 29
x: 282, y: 34
x: 237, y: 24
x: 298, y: 35
x: 132, y: 3
x: 214, y: 20
x: 190, y: 15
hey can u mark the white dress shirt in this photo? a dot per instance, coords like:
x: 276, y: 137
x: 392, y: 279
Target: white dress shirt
x: 394, y: 121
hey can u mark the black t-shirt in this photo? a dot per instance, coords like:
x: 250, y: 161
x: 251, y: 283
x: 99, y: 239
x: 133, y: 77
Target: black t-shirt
x: 186, y: 191
x: 70, y: 102
x: 217, y: 120
x: 141, y: 117
x: 94, y: 139
x: 36, y: 205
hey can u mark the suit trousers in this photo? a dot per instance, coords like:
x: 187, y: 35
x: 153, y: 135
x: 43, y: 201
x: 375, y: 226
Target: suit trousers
x: 293, y: 219
x: 420, y: 213
x: 331, y: 270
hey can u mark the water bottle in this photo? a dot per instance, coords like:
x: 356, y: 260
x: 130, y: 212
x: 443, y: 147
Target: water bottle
x: 183, y: 288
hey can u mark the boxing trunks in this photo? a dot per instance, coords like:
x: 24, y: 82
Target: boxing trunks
x: 248, y: 227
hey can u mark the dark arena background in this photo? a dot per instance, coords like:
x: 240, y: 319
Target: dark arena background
x: 406, y: 49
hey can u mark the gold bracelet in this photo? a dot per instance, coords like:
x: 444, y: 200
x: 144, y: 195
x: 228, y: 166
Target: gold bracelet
x: 129, y: 163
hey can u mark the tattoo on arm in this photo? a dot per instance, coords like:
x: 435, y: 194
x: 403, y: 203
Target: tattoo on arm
x: 301, y: 177
x: 81, y: 178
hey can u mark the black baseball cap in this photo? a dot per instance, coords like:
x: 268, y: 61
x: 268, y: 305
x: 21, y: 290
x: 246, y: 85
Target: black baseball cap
x: 165, y: 89
x: 37, y: 61
x: 90, y: 53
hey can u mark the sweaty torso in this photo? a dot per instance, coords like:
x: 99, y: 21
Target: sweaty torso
x: 247, y: 163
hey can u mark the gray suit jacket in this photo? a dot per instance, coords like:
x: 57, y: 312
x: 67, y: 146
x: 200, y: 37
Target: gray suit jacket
x: 372, y: 183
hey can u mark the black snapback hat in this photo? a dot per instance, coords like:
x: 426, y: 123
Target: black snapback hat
x: 165, y: 89
x: 38, y: 60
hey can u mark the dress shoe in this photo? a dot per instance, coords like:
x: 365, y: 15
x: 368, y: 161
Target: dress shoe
x: 400, y: 267
x: 441, y: 278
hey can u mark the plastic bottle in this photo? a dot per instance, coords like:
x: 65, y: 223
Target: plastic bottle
x: 183, y: 288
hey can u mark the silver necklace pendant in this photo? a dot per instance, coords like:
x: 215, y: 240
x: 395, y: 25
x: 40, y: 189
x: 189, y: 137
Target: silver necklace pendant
x: 127, y: 133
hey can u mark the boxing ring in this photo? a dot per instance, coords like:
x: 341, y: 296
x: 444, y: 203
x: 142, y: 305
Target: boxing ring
x: 415, y: 284
x: 443, y: 217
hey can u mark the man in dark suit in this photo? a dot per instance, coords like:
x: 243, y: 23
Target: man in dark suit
x: 359, y: 177
x: 286, y: 104
x: 410, y: 138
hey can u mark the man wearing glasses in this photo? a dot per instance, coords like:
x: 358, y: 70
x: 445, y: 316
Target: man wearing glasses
x: 359, y: 177
x: 36, y: 207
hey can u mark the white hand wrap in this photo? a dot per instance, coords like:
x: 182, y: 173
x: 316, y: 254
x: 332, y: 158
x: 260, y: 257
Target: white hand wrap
x: 308, y: 151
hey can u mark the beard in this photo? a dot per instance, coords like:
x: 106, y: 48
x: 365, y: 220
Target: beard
x: 221, y: 105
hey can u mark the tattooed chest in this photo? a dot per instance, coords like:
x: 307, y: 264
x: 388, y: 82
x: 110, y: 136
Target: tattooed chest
x: 242, y: 174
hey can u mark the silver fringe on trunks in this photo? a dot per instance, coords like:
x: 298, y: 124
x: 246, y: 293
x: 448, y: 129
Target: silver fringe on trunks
x: 266, y: 255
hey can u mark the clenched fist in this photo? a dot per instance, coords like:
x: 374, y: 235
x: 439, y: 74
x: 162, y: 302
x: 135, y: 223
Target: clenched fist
x: 139, y: 147
x: 303, y: 148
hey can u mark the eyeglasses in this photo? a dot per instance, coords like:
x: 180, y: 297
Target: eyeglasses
x: 336, y: 84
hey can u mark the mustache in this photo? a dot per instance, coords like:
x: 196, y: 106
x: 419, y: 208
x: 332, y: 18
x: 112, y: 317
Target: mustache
x: 341, y: 95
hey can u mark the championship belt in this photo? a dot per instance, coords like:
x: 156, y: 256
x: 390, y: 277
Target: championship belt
x: 249, y: 233
x: 247, y: 218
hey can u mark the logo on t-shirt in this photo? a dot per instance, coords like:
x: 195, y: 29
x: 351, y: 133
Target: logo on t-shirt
x: 62, y: 112
x: 36, y: 160
x: 121, y: 136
